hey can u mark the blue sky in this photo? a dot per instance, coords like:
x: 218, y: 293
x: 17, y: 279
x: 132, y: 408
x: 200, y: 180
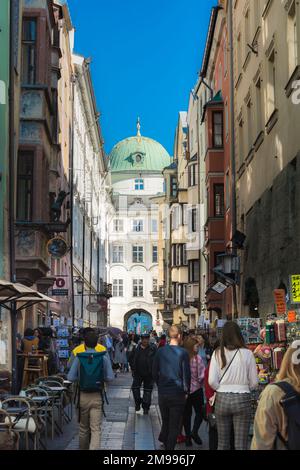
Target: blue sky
x: 146, y: 55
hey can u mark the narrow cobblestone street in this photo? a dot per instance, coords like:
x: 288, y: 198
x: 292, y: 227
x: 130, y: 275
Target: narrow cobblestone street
x: 123, y: 428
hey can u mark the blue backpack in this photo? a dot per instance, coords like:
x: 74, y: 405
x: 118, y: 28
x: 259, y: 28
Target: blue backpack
x: 291, y: 405
x: 91, y: 375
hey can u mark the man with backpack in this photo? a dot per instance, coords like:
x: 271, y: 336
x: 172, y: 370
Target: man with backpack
x: 91, y: 369
x: 81, y: 347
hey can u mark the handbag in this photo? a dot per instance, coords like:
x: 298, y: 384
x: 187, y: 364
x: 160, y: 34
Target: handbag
x: 211, y: 417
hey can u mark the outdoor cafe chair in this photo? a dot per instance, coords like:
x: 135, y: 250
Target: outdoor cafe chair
x: 9, y: 440
x: 41, y: 399
x: 55, y: 391
x: 23, y: 415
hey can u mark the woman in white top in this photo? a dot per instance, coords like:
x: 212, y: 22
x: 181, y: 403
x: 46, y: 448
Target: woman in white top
x: 233, y: 374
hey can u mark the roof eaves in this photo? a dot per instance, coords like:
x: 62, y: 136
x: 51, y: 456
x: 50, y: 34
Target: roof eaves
x: 209, y: 40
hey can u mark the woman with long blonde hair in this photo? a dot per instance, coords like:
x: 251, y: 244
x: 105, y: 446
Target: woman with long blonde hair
x: 271, y: 424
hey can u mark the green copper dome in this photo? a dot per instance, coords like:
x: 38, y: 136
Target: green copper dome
x: 137, y: 154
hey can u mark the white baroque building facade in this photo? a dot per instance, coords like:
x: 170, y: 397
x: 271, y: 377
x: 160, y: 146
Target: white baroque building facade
x: 136, y: 166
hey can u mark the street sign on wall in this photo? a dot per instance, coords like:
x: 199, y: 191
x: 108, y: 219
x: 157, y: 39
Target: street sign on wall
x: 60, y: 292
x: 280, y: 301
x: 295, y: 288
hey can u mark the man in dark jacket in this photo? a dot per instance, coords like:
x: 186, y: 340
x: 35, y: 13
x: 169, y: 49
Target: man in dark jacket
x: 171, y: 372
x: 141, y: 363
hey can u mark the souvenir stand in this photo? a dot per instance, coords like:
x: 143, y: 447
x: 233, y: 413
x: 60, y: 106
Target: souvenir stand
x: 64, y: 337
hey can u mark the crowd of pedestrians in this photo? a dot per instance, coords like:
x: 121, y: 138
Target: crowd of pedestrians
x: 196, y: 381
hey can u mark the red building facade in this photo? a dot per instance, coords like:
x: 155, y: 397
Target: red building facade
x: 217, y: 162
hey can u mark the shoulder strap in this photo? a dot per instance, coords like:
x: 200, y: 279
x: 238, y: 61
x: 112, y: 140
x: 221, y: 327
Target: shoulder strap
x: 228, y: 366
x: 287, y: 388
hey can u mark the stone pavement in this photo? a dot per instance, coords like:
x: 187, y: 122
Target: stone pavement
x: 123, y: 428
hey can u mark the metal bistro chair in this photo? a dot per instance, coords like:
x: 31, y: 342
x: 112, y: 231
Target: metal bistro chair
x: 24, y: 418
x: 9, y: 440
x: 55, y: 391
x: 41, y: 399
x: 67, y: 396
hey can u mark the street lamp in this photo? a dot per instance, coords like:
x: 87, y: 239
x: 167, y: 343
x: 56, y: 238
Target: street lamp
x: 79, y: 284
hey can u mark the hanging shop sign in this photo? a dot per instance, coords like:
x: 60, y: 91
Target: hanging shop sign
x: 280, y: 301
x: 57, y: 247
x: 292, y: 316
x: 219, y: 287
x: 60, y: 282
x: 93, y: 307
x: 295, y: 288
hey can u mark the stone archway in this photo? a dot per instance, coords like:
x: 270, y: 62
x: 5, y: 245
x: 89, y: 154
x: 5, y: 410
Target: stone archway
x: 138, y: 320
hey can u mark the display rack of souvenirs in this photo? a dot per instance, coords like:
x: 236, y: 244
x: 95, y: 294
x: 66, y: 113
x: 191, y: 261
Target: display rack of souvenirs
x: 250, y: 328
x: 64, y: 334
x: 293, y: 331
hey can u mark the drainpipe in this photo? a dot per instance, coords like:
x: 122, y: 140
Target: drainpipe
x: 71, y: 180
x: 232, y: 144
x: 12, y: 154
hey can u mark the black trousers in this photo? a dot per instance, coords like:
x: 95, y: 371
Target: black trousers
x: 171, y: 410
x: 147, y: 382
x: 194, y: 401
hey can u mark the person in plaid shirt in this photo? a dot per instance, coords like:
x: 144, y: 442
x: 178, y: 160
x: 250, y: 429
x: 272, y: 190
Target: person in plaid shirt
x: 195, y: 398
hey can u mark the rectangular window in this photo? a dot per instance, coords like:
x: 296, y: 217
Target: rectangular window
x: 139, y: 184
x: 138, y: 288
x: 217, y: 262
x: 241, y: 141
x: 217, y: 129
x: 118, y: 254
x: 25, y: 186
x: 138, y: 226
x: 175, y: 217
x: 137, y: 254
x: 173, y: 255
x: 194, y: 271
x: 247, y: 33
x: 154, y: 225
x: 178, y: 255
x: 118, y: 225
x: 228, y: 191
x: 194, y: 220
x: 173, y: 186
x: 29, y: 37
x: 154, y: 254
x: 174, y: 293
x: 250, y: 126
x: 271, y: 84
x: 258, y: 116
x: 218, y: 200
x: 118, y: 288
x: 155, y: 285
x: 226, y: 120
x: 184, y: 255
x: 192, y: 175
x: 239, y: 54
x: 292, y: 38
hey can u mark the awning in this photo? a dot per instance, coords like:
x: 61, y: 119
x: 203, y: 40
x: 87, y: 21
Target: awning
x: 24, y: 296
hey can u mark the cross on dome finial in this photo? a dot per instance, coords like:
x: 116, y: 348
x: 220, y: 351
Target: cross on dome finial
x: 138, y: 125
